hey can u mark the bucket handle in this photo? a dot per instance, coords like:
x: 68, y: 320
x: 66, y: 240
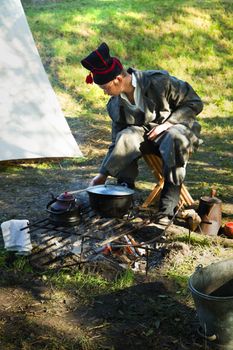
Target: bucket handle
x: 212, y: 337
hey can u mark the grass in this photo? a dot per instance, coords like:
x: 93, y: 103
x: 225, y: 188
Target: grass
x: 191, y: 39
x: 12, y: 262
x: 88, y: 285
x: 194, y: 240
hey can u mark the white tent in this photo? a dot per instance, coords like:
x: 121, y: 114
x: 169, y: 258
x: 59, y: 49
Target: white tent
x: 32, y: 123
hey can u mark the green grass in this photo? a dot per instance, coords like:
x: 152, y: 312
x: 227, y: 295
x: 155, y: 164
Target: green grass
x: 3, y: 256
x: 9, y: 260
x: 195, y: 239
x: 88, y: 285
x: 191, y: 39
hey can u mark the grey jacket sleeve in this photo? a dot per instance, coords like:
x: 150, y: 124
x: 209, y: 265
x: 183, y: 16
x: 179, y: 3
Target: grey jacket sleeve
x: 184, y: 102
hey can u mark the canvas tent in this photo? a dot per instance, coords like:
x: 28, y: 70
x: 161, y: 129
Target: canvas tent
x: 32, y: 123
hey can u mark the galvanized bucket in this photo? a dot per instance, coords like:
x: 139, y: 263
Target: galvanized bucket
x: 212, y: 292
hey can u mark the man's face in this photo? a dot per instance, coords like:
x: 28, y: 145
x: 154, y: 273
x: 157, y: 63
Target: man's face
x: 113, y: 88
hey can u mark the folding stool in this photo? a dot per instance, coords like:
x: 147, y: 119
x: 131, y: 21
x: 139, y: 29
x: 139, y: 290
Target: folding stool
x: 155, y: 164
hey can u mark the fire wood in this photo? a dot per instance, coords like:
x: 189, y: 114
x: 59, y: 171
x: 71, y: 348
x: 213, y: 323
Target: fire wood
x: 121, y: 234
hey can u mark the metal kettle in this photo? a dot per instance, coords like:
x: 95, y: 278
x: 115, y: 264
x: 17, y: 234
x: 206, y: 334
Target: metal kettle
x: 63, y: 202
x: 210, y: 211
x: 64, y: 209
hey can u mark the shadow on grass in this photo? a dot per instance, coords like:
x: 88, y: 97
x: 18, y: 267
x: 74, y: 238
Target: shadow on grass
x: 144, y: 316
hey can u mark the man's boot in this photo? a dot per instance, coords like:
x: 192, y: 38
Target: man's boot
x: 169, y: 199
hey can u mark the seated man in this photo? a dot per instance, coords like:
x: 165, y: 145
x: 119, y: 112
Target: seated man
x: 146, y: 106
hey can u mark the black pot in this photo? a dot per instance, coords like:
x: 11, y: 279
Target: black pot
x: 110, y: 201
x: 64, y: 210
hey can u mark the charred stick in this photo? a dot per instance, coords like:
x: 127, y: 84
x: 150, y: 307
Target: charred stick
x: 35, y: 224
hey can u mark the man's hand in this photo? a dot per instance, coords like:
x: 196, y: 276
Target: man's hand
x: 153, y: 133
x: 98, y: 180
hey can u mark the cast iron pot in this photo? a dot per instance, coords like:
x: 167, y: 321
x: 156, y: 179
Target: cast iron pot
x: 64, y: 210
x: 110, y: 201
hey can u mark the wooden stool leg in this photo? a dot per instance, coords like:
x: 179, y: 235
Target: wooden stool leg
x: 185, y: 196
x: 155, y: 164
x: 154, y: 193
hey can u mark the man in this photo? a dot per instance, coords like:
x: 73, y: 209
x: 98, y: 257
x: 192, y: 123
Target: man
x: 146, y: 107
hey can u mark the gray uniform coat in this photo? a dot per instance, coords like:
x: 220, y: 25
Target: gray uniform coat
x: 165, y: 98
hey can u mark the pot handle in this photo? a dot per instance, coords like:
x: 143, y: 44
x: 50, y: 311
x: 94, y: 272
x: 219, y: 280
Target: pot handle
x: 51, y: 202
x: 205, y: 336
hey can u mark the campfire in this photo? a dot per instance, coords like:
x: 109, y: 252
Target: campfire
x: 93, y: 232
x: 82, y: 236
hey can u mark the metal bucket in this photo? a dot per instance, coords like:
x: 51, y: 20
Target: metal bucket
x: 212, y: 292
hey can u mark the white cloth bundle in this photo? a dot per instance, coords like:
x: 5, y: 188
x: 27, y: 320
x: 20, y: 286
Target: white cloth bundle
x: 16, y: 239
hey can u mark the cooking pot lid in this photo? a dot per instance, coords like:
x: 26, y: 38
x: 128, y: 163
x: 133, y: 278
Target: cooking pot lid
x: 110, y: 190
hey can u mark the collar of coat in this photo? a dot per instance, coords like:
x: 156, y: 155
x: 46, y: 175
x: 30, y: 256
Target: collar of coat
x: 144, y: 77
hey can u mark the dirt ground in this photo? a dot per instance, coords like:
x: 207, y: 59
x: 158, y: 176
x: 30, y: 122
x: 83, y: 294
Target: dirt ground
x: 35, y: 319
x: 154, y: 313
